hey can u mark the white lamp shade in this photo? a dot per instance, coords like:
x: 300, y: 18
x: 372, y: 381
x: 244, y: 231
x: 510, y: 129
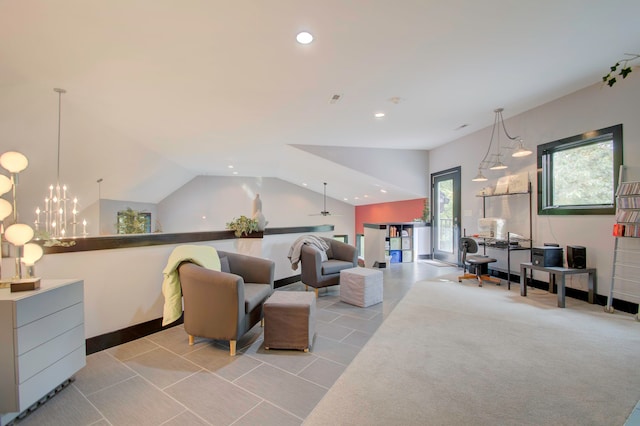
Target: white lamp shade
x: 18, y: 234
x: 13, y: 161
x: 5, y: 209
x: 5, y: 184
x: 31, y: 253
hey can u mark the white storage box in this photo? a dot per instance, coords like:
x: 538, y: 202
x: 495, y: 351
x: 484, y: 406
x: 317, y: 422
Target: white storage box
x: 361, y: 286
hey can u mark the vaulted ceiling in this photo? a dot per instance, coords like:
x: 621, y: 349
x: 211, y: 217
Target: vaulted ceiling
x: 161, y: 91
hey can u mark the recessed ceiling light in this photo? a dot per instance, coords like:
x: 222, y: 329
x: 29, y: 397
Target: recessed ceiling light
x: 366, y: 196
x: 235, y: 173
x: 304, y: 37
x: 378, y: 114
x: 230, y: 166
x: 384, y: 191
x: 304, y: 184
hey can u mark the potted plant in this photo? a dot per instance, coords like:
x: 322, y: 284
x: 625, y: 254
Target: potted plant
x: 243, y: 226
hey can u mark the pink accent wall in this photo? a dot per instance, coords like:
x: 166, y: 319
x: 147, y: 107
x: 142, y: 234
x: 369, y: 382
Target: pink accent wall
x: 399, y: 211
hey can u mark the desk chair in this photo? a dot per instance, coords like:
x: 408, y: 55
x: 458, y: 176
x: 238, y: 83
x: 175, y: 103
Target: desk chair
x: 469, y: 246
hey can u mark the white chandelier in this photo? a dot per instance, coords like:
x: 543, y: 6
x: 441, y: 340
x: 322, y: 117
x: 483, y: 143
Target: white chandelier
x: 60, y: 210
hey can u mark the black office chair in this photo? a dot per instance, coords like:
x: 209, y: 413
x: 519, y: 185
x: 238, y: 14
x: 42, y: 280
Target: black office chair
x: 477, y: 262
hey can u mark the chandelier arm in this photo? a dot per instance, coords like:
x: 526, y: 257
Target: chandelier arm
x: 513, y: 138
x: 493, y: 130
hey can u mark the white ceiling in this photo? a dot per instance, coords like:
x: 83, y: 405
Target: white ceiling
x: 161, y: 91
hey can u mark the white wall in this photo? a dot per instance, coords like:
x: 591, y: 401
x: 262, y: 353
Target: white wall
x: 207, y: 203
x: 589, y: 109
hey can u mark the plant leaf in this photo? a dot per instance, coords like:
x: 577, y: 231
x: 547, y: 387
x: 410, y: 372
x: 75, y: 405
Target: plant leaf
x: 611, y: 82
x: 624, y: 72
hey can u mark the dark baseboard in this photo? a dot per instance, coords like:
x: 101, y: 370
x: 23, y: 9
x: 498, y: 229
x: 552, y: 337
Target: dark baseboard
x: 286, y: 281
x: 618, y: 305
x: 118, y: 337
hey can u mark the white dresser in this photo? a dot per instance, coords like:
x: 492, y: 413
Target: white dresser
x: 42, y: 342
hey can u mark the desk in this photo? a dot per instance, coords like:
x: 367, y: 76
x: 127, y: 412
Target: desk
x: 554, y: 272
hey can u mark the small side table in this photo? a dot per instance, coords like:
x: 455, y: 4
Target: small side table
x: 555, y: 272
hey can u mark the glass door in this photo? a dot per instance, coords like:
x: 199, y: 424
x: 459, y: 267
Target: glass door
x: 445, y: 207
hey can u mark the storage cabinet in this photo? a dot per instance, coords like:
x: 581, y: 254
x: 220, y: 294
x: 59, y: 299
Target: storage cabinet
x: 513, y: 242
x: 393, y: 242
x: 43, y: 342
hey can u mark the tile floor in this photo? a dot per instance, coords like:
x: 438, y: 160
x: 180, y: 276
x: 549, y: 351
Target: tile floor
x: 161, y: 380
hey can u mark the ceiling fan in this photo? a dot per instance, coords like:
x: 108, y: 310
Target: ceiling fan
x: 324, y: 211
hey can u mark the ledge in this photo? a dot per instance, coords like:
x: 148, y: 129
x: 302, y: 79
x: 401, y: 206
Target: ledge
x: 143, y: 240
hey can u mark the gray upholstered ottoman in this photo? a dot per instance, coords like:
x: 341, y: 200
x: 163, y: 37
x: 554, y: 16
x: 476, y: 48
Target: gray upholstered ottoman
x: 361, y: 286
x: 289, y: 320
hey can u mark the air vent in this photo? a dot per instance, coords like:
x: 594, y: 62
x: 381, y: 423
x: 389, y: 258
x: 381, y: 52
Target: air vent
x: 335, y: 98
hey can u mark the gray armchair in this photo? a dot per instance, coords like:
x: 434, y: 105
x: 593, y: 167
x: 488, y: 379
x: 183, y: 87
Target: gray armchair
x: 317, y: 273
x: 225, y: 305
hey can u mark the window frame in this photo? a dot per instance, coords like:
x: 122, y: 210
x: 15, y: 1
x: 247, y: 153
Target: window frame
x: 545, y: 171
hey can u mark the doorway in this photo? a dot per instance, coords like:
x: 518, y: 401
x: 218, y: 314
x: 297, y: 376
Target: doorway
x: 445, y: 207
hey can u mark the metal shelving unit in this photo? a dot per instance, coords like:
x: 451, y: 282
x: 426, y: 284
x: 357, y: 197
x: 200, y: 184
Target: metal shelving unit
x: 507, y: 245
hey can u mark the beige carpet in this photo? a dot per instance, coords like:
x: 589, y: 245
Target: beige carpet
x: 458, y: 354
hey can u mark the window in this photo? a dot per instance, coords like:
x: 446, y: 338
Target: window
x: 133, y: 222
x: 579, y: 174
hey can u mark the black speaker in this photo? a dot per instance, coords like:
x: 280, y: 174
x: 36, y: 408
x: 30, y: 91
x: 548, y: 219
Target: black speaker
x: 576, y: 257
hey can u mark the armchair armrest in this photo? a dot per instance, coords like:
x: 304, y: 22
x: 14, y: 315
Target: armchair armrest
x: 311, y: 260
x: 213, y: 301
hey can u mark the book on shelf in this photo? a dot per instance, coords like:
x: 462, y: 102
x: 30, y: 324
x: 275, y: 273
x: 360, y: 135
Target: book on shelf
x: 502, y: 186
x: 519, y: 183
x: 628, y: 188
x: 627, y: 230
x: 629, y: 202
x: 627, y: 216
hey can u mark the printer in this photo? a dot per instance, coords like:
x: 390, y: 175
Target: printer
x: 547, y: 256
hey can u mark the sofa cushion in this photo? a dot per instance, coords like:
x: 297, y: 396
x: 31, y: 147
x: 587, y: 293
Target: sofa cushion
x: 254, y: 295
x: 333, y: 266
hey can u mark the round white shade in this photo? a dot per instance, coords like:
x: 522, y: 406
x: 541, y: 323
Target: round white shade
x: 5, y: 209
x: 18, y: 234
x: 14, y: 161
x: 5, y: 184
x: 31, y: 253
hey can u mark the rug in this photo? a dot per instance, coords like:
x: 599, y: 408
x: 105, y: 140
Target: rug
x: 453, y: 354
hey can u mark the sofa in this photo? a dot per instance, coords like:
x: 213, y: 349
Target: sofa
x: 322, y: 269
x: 225, y: 305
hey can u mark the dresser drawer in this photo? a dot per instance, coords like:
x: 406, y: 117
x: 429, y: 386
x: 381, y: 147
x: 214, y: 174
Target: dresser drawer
x: 43, y: 356
x: 46, y: 380
x: 43, y: 303
x: 41, y: 331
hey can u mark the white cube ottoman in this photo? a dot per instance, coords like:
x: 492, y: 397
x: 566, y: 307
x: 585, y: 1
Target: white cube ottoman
x: 361, y: 286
